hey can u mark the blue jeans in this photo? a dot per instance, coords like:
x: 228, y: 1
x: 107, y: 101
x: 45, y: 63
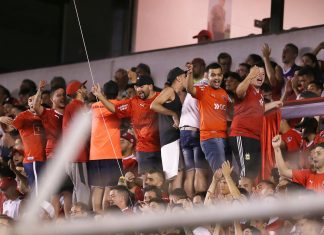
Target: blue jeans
x: 193, y: 155
x: 33, y: 171
x: 214, y: 150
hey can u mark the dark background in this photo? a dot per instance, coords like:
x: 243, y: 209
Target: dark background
x: 42, y: 33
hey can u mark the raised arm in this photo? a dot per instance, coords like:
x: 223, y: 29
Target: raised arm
x: 272, y: 105
x: 190, y: 83
x: 157, y: 105
x: 282, y: 167
x: 212, y: 190
x: 318, y: 48
x: 6, y: 120
x: 244, y: 85
x: 274, y: 76
x: 227, y: 170
x: 37, y: 105
x: 96, y: 90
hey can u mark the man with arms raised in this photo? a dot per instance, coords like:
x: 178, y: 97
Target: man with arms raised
x: 311, y: 179
x: 52, y: 121
x: 144, y: 120
x: 213, y: 102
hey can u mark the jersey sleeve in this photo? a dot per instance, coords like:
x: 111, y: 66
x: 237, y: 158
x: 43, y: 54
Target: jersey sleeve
x: 199, y: 92
x: 123, y: 108
x: 18, y: 122
x: 300, y: 176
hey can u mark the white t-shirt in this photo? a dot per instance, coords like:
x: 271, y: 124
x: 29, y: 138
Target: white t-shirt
x: 11, y: 208
x: 190, y: 112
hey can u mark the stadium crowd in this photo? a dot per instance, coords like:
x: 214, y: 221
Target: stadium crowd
x: 201, y: 140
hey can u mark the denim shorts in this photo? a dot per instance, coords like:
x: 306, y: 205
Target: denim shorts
x: 193, y: 155
x: 215, y: 152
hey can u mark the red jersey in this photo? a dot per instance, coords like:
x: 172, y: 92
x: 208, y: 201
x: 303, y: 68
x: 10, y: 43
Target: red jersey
x: 145, y: 122
x: 52, y: 122
x: 70, y: 110
x: 292, y: 139
x: 309, y: 179
x: 31, y: 132
x: 2, y: 200
x: 212, y: 105
x: 248, y: 115
x: 319, y: 138
x: 130, y: 164
x: 104, y: 124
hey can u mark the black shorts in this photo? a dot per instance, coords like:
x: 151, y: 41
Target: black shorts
x: 247, y: 153
x: 66, y: 185
x: 104, y: 173
x: 148, y: 161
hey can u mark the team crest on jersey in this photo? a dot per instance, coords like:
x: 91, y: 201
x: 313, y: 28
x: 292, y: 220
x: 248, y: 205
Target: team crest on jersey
x: 289, y: 139
x: 123, y: 107
x: 247, y: 156
x: 261, y: 102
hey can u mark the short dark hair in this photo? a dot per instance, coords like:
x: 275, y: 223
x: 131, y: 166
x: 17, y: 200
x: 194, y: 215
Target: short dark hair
x: 213, y: 65
x: 157, y: 171
x: 179, y: 192
x: 256, y: 59
x: 123, y: 191
x: 233, y: 75
x: 5, y: 91
x: 154, y: 189
x: 159, y: 201
x: 312, y: 57
x: 246, y: 65
x: 110, y: 90
x: 307, y: 70
x: 269, y: 183
x: 260, y: 64
x: 308, y: 95
x: 55, y: 88
x: 224, y: 55
x: 58, y: 81
x: 31, y: 84
x: 198, y: 61
x: 144, y: 67
x: 318, y: 84
x: 293, y: 47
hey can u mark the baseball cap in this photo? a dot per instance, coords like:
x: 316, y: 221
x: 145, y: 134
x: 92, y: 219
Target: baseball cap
x: 128, y: 136
x: 203, y: 33
x: 144, y: 80
x: 74, y: 87
x: 173, y: 74
x: 6, y: 182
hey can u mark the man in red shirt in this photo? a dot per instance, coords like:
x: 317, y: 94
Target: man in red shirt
x: 144, y: 120
x: 213, y: 102
x: 310, y: 179
x: 247, y: 123
x: 77, y: 170
x: 52, y: 119
x: 31, y: 132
